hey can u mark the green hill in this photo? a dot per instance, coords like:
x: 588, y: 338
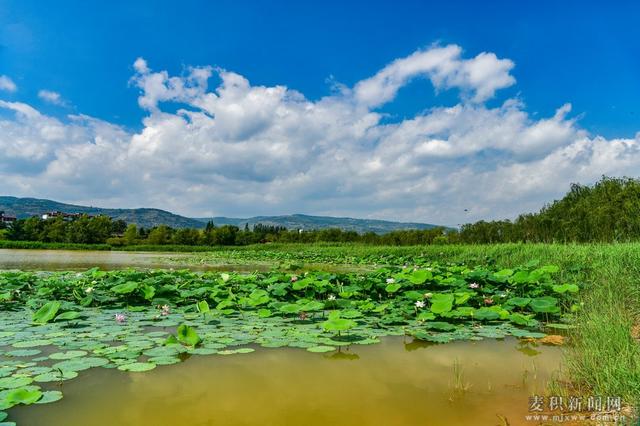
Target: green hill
x: 301, y: 221
x: 146, y: 217
x: 27, y: 207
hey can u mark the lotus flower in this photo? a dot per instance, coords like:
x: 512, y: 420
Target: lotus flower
x: 294, y: 279
x: 120, y: 318
x: 88, y: 290
x: 390, y: 280
x: 488, y: 300
x: 420, y: 304
x: 166, y: 310
x: 331, y: 298
x: 474, y: 285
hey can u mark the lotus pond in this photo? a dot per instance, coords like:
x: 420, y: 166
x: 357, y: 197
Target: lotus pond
x: 113, y: 326
x: 81, y: 260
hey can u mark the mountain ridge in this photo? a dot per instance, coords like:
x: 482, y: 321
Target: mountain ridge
x: 149, y: 217
x: 304, y: 221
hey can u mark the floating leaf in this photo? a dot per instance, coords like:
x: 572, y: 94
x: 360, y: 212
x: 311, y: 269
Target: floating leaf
x: 55, y: 376
x: 14, y: 382
x: 338, y: 324
x: 50, y: 396
x: 32, y: 343
x: 22, y: 396
x: 67, y: 354
x: 67, y: 316
x: 137, y: 367
x: 24, y: 352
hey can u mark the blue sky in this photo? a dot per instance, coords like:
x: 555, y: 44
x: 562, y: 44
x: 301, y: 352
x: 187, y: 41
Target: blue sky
x: 586, y: 53
x: 77, y: 58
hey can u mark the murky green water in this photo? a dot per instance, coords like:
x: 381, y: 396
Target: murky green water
x: 396, y: 382
x: 65, y: 260
x: 80, y: 260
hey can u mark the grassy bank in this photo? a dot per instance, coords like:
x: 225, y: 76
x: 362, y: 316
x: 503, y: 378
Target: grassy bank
x: 36, y: 245
x: 604, y: 358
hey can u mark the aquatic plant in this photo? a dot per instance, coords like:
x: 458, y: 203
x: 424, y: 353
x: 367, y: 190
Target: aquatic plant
x: 222, y: 313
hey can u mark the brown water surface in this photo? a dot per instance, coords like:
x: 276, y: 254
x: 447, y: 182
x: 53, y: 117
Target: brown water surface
x: 81, y: 260
x: 396, y: 382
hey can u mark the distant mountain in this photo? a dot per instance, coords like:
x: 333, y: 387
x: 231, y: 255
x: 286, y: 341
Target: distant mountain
x: 27, y: 207
x: 301, y: 221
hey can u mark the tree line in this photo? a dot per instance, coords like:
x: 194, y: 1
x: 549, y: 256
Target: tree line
x: 608, y: 211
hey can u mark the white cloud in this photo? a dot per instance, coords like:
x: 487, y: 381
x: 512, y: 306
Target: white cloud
x: 7, y: 84
x: 243, y: 149
x: 479, y: 77
x: 51, y: 97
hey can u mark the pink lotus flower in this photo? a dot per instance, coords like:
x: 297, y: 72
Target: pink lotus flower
x: 488, y: 300
x: 294, y: 279
x: 166, y: 310
x: 120, y: 318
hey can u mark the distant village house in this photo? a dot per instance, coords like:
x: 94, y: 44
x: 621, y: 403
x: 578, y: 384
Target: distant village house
x: 6, y: 219
x: 63, y: 215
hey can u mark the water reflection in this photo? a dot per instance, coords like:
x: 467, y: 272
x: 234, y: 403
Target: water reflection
x: 390, y: 383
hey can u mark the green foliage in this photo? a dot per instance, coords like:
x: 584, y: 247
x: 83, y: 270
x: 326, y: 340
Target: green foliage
x: 441, y: 303
x: 603, y: 357
x: 24, y: 396
x: 125, y: 288
x: 338, y: 324
x: 46, y: 313
x: 187, y: 335
x: 391, y: 293
x: 203, y: 307
x: 608, y: 211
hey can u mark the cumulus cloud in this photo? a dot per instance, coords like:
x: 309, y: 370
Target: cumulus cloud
x: 244, y: 149
x: 479, y: 77
x: 7, y: 84
x: 51, y: 97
